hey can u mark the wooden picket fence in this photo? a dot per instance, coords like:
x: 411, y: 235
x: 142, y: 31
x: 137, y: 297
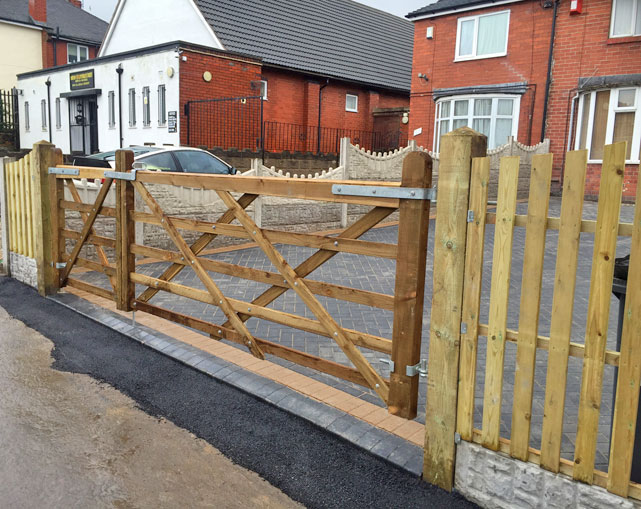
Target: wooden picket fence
x: 19, y: 195
x: 559, y: 346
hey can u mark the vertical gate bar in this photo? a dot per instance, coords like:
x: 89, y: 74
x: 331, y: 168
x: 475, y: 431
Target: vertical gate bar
x: 474, y: 247
x: 22, y: 225
x: 56, y: 195
x: 28, y: 206
x: 413, y: 227
x: 499, y: 298
x: 626, y: 403
x: 562, y: 307
x: 125, y: 233
x: 535, y: 233
x: 458, y: 149
x: 596, y: 333
x: 43, y: 157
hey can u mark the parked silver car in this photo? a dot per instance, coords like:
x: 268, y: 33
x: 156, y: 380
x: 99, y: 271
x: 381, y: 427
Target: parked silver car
x: 177, y: 159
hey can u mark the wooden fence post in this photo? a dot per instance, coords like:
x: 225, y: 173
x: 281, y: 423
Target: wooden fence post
x: 4, y: 215
x: 43, y: 157
x: 409, y: 292
x: 125, y: 233
x: 457, y: 150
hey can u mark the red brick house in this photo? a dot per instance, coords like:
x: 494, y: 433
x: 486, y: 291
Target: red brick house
x: 509, y: 68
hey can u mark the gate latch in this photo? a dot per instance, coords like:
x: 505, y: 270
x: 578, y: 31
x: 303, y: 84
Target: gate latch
x: 418, y: 369
x: 121, y: 175
x: 60, y: 265
x: 389, y: 362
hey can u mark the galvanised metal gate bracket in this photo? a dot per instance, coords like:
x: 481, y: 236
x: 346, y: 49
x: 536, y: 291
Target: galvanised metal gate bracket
x: 403, y: 193
x: 418, y: 369
x: 64, y: 171
x: 389, y: 362
x: 121, y: 175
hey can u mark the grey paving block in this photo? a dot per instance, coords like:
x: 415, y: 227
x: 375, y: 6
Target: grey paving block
x: 404, y: 453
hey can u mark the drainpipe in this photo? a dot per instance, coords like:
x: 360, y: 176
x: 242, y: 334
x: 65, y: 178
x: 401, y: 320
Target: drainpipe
x: 48, y: 83
x: 119, y: 70
x: 320, y: 104
x: 55, y: 47
x: 548, y: 81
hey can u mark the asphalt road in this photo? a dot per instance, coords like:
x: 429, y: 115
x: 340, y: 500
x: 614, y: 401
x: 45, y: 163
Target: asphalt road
x: 305, y: 462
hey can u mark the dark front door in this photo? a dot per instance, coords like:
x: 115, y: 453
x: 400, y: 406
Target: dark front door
x: 83, y: 122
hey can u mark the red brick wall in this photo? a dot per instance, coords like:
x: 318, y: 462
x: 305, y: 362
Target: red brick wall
x: 231, y: 77
x: 583, y: 49
x: 526, y: 61
x: 61, y: 51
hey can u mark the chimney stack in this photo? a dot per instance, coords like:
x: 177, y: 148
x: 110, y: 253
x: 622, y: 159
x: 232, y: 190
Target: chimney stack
x: 77, y: 3
x: 38, y: 10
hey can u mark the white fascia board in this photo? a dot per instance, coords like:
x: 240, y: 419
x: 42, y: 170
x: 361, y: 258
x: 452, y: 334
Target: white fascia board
x: 464, y: 9
x: 18, y: 23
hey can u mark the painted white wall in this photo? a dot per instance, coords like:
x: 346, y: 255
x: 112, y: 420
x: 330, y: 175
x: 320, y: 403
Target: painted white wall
x: 143, y: 23
x: 138, y: 71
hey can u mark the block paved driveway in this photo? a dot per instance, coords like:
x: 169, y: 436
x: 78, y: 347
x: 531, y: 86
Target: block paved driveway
x: 377, y: 275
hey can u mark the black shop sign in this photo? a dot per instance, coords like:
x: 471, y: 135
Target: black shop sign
x: 81, y: 80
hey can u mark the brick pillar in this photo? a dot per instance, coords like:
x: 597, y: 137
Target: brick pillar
x: 310, y: 114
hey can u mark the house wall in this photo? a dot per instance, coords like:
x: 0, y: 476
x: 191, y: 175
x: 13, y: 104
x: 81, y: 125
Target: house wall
x: 139, y: 71
x: 61, y: 51
x: 140, y: 24
x: 526, y: 61
x: 583, y: 48
x: 25, y: 54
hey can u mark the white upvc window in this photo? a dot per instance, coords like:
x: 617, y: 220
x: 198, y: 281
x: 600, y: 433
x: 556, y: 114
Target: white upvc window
x: 495, y: 116
x: 77, y: 53
x: 58, y: 114
x: 263, y: 89
x: 162, y: 106
x: 607, y: 116
x: 146, y: 107
x: 43, y: 113
x: 351, y: 103
x: 482, y: 36
x: 27, y: 124
x: 111, y: 107
x: 626, y: 18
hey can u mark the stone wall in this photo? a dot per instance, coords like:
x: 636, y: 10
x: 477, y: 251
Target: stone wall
x: 495, y: 480
x: 24, y: 269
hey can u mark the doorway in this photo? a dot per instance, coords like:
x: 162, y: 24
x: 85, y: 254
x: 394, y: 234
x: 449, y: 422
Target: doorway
x: 83, y: 125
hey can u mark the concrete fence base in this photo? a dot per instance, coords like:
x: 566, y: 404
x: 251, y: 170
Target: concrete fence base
x: 24, y: 269
x: 495, y: 480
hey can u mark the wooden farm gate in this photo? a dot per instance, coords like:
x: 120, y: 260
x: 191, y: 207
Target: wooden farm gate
x: 115, y: 257
x: 457, y: 315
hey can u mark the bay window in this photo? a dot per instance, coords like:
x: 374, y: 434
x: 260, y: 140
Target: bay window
x: 482, y: 36
x: 608, y: 116
x: 494, y: 116
x: 626, y: 18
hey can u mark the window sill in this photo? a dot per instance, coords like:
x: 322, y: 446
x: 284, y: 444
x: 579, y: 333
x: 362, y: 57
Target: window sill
x: 483, y: 57
x: 351, y: 111
x: 624, y: 40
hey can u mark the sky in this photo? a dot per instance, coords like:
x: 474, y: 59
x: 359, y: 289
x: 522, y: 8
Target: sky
x: 104, y: 8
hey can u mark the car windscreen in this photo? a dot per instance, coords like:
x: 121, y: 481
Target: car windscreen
x: 195, y: 161
x: 163, y: 162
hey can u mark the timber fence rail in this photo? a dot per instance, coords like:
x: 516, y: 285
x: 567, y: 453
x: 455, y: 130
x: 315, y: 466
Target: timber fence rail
x: 458, y: 353
x: 411, y: 197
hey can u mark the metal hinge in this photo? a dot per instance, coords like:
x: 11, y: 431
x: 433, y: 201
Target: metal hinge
x: 470, y: 216
x: 389, y: 362
x: 64, y: 171
x: 457, y: 438
x: 404, y: 193
x: 463, y: 327
x: 121, y: 175
x: 418, y: 369
x: 60, y: 265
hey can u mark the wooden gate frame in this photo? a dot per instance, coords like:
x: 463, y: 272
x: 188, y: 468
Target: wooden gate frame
x: 400, y: 392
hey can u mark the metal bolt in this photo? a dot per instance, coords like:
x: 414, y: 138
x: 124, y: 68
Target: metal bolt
x: 193, y: 261
x: 220, y: 332
x: 249, y: 343
x: 249, y: 309
x: 156, y: 283
x: 220, y: 302
x: 336, y: 243
x: 285, y: 281
x: 254, y: 232
x: 377, y: 386
x: 338, y: 189
x: 295, y: 283
x: 182, y: 258
x: 162, y: 220
x: 335, y: 333
x: 373, y: 191
x: 412, y: 193
x: 449, y: 244
x: 213, y: 226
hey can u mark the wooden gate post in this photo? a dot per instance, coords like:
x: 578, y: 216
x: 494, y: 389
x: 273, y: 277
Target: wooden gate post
x: 413, y: 226
x: 125, y: 233
x: 457, y: 150
x: 45, y: 214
